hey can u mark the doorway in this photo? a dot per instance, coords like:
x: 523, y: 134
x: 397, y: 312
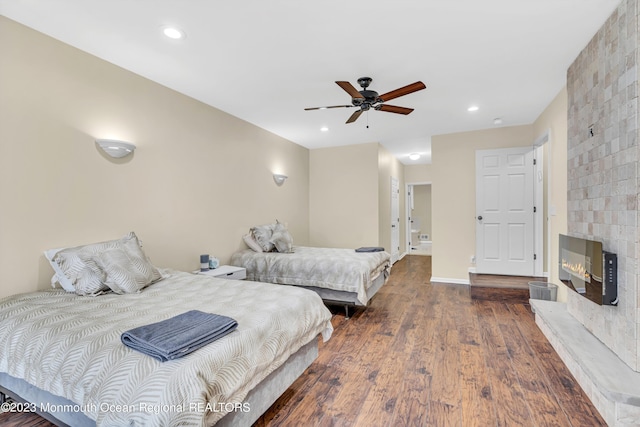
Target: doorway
x: 419, y: 226
x: 506, y: 210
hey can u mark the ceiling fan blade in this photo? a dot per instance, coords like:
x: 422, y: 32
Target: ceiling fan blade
x: 394, y: 109
x: 348, y: 87
x: 331, y: 106
x: 354, y: 116
x: 406, y: 90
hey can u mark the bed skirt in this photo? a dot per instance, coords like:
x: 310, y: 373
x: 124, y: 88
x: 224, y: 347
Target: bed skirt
x: 331, y: 296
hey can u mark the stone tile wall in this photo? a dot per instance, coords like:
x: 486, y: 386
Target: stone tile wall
x: 603, y: 179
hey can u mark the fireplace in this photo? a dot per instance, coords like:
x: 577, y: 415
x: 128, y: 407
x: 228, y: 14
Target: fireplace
x: 588, y: 270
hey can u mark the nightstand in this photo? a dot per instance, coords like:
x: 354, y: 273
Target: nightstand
x: 227, y: 272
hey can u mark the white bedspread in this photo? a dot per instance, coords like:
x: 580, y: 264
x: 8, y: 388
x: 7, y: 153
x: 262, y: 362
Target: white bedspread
x: 70, y: 346
x: 332, y: 268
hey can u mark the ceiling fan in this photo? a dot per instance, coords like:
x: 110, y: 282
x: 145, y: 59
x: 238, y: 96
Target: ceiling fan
x: 366, y: 99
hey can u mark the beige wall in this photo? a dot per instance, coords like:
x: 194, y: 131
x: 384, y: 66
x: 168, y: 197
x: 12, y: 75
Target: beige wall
x: 343, y: 201
x: 417, y: 173
x: 350, y: 196
x: 454, y: 195
x: 198, y: 180
x: 553, y: 121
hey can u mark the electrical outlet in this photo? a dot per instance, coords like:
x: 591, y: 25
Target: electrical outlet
x: 473, y: 259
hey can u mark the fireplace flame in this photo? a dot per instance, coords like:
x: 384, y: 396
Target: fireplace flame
x: 577, y: 269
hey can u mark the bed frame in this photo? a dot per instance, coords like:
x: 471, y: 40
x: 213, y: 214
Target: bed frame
x: 259, y: 399
x: 347, y: 299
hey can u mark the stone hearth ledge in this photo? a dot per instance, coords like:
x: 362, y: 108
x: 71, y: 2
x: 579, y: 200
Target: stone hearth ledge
x: 612, y: 386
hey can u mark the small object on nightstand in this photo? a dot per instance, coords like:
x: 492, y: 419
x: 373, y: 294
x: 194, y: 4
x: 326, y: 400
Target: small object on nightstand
x: 204, y: 262
x: 213, y: 262
x: 227, y: 272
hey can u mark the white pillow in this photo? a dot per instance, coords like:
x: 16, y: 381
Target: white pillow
x: 126, y: 267
x: 262, y: 235
x: 59, y: 276
x: 77, y: 268
x: 251, y: 242
x: 282, y: 239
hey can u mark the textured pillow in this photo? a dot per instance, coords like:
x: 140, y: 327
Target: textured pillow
x: 282, y: 239
x: 251, y: 242
x: 262, y: 235
x: 127, y: 269
x: 58, y: 276
x: 79, y: 269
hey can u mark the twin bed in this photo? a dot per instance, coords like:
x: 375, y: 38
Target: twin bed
x: 339, y: 276
x: 61, y: 351
x: 348, y: 277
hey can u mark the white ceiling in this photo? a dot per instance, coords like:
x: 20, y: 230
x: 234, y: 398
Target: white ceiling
x: 265, y: 61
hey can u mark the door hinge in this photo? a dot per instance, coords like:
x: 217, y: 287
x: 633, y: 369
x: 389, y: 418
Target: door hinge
x: 535, y: 257
x: 534, y: 161
x: 535, y: 210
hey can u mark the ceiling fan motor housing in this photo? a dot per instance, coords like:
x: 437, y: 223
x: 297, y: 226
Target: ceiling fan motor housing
x: 369, y: 97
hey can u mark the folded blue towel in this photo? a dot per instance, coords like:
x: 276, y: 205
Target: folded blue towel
x: 178, y: 336
x: 370, y: 249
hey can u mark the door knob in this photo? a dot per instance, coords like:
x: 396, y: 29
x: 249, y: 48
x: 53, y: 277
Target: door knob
x: 480, y: 218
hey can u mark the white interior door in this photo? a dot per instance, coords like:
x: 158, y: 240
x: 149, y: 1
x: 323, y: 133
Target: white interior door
x: 505, y: 211
x: 395, y: 220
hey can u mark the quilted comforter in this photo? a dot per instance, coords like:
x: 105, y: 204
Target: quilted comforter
x: 331, y: 268
x: 70, y: 346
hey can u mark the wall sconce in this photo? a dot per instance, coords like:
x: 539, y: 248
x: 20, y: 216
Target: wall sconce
x: 115, y: 148
x: 279, y: 179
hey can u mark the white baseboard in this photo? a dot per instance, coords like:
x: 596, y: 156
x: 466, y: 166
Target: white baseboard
x: 450, y: 281
x: 472, y: 270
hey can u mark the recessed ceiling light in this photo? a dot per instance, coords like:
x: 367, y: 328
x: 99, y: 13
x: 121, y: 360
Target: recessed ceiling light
x: 324, y: 129
x: 173, y: 33
x: 473, y: 108
x: 414, y: 156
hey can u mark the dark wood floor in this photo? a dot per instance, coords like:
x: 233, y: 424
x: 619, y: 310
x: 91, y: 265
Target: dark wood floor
x: 430, y: 355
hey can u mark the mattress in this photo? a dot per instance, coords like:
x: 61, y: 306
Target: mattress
x: 331, y: 268
x: 69, y: 346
